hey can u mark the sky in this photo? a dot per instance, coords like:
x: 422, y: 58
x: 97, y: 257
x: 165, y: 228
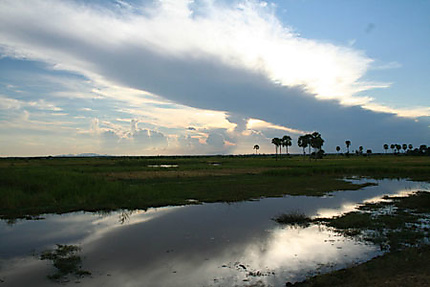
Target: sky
x: 183, y: 77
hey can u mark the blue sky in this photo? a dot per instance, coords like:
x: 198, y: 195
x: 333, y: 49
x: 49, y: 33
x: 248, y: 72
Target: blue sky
x: 393, y: 33
x: 211, y: 77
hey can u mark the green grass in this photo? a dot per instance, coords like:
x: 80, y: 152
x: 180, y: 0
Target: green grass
x: 32, y: 186
x: 293, y: 219
x: 394, y: 230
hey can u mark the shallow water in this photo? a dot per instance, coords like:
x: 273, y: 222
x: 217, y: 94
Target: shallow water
x: 216, y: 244
x: 163, y: 165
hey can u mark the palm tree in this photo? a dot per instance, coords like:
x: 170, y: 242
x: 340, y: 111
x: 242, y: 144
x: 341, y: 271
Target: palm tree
x: 410, y: 146
x: 405, y: 147
x: 303, y: 142
x: 280, y: 147
x: 256, y: 147
x: 360, y: 149
x: 348, y: 143
x: 392, y: 146
x: 338, y: 149
x: 277, y: 143
x: 309, y: 139
x: 317, y: 142
x: 386, y: 148
x: 286, y: 142
x: 398, y: 147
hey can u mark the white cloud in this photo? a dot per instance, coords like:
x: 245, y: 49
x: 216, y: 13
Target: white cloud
x: 8, y: 103
x: 387, y: 66
x: 413, y: 112
x: 117, y: 139
x: 254, y: 124
x: 245, y: 35
x: 43, y: 105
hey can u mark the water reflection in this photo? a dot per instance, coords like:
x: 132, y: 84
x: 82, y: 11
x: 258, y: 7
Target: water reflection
x: 200, y: 245
x: 163, y: 165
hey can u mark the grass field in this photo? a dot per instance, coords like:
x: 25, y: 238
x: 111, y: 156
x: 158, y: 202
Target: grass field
x: 31, y: 186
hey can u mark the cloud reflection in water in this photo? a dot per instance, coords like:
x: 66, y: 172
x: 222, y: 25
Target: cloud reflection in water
x: 201, y: 245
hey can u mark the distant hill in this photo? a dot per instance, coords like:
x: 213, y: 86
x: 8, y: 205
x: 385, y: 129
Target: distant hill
x: 83, y: 155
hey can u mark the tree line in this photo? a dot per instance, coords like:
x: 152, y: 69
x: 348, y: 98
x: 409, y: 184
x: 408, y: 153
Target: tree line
x: 315, y: 141
x: 408, y: 149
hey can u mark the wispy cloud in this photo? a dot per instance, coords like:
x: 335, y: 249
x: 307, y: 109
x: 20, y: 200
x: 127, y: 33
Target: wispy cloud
x: 9, y: 103
x: 386, y: 66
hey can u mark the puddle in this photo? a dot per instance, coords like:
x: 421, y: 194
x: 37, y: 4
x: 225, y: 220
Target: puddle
x: 216, y: 244
x: 214, y: 164
x: 163, y: 165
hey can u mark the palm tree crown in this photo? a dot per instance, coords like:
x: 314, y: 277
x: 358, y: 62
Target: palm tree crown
x: 256, y: 147
x: 347, y: 143
x: 303, y: 142
x: 277, y: 143
x: 286, y: 142
x: 317, y: 141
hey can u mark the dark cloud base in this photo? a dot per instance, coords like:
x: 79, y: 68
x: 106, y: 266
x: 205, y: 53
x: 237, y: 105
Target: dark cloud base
x: 208, y: 84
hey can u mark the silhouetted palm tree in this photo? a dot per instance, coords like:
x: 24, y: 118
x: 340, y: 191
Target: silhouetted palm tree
x: 410, y: 146
x: 405, y: 147
x: 398, y: 148
x: 347, y: 143
x: 338, y: 149
x: 423, y: 148
x: 277, y: 143
x: 303, y: 142
x: 286, y: 142
x: 386, y: 148
x: 256, y: 147
x: 317, y: 142
x: 392, y: 146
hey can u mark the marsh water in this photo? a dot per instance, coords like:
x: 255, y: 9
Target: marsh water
x: 217, y: 244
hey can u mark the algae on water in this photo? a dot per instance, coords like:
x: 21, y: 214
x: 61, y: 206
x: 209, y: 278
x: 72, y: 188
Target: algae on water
x: 66, y: 260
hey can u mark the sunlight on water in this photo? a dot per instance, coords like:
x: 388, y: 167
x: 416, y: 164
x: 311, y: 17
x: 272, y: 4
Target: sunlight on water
x: 330, y: 212
x: 163, y: 165
x: 200, y: 245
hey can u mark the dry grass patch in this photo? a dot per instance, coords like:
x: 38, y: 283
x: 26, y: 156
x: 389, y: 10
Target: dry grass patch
x: 156, y: 174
